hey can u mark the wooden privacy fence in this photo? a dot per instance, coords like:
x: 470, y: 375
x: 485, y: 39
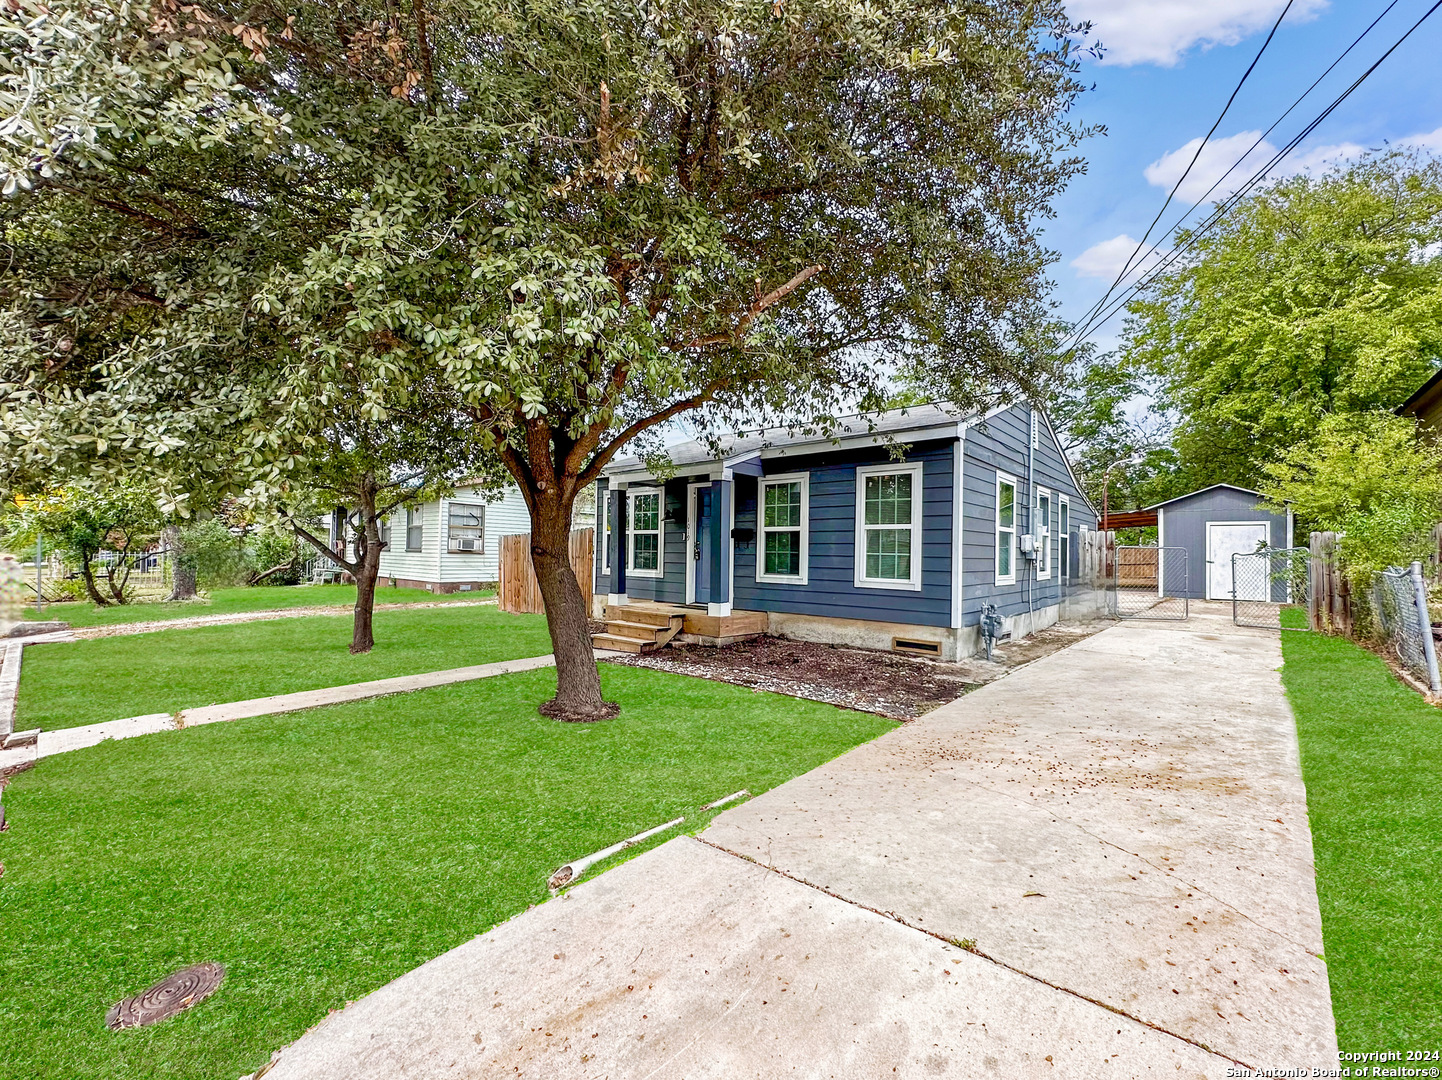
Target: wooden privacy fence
x: 1329, y: 607
x: 520, y: 594
x: 1096, y: 557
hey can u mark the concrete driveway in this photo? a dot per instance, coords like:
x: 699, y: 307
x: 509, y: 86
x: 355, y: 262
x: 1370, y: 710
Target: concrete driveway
x: 1097, y: 866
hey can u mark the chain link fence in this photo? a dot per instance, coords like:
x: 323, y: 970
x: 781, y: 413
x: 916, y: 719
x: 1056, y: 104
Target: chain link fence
x: 1266, y: 581
x: 1149, y: 583
x: 1399, y: 601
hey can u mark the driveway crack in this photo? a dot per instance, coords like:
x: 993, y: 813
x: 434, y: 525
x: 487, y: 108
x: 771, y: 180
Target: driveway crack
x: 1170, y: 873
x: 971, y: 948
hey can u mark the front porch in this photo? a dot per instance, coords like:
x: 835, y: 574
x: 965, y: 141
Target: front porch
x: 646, y: 625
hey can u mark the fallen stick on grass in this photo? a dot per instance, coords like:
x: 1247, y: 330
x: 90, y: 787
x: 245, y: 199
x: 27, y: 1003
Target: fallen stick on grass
x: 742, y: 794
x: 574, y: 869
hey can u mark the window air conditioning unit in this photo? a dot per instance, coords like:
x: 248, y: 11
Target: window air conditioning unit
x: 468, y: 544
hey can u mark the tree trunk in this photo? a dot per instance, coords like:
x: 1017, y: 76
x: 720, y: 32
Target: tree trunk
x: 182, y: 574
x: 578, y: 682
x: 368, y: 565
x: 88, y: 575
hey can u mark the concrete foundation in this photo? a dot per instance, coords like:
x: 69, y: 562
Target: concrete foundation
x: 439, y: 588
x: 863, y: 633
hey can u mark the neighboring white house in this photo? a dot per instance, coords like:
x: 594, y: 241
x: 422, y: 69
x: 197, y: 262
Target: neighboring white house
x: 451, y: 545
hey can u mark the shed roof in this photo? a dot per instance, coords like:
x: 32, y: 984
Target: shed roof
x: 1212, y: 487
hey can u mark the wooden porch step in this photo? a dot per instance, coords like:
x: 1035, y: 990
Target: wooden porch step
x: 634, y: 613
x: 640, y: 631
x: 619, y: 644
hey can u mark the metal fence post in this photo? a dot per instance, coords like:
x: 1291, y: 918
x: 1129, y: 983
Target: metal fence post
x: 39, y: 574
x: 1419, y: 586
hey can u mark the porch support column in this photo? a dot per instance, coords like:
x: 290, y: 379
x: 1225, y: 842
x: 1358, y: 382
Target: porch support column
x: 722, y: 492
x: 617, y: 510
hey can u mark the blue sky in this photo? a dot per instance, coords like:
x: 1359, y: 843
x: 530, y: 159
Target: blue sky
x: 1166, y: 73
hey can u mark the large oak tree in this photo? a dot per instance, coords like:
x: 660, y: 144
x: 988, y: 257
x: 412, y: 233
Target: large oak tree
x: 572, y: 222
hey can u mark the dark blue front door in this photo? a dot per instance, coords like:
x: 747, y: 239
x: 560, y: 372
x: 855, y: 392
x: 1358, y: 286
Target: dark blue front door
x: 701, y: 545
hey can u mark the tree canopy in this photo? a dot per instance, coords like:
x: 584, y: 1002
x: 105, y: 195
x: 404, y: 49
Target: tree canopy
x: 566, y: 223
x: 1320, y: 296
x: 1370, y: 478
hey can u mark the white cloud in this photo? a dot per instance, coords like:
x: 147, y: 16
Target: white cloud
x: 1215, y: 159
x: 1106, y: 259
x: 1219, y: 155
x: 1159, y: 31
x: 1432, y: 141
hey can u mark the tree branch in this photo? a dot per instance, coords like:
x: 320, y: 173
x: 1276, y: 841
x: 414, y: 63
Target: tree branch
x: 775, y: 296
x: 604, y: 456
x: 322, y: 547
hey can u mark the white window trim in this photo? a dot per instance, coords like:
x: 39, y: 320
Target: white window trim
x: 631, y: 570
x: 605, y: 502
x: 918, y: 496
x: 762, y: 483
x: 1063, y: 537
x: 1043, y: 534
x: 450, y: 504
x: 1005, y: 478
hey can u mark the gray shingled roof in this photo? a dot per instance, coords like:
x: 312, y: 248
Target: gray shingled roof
x: 743, y: 444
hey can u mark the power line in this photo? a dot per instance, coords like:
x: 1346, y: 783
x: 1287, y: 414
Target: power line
x: 1121, y: 276
x: 1092, y: 322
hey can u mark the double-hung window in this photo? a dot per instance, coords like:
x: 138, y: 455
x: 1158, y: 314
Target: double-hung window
x: 1063, y: 533
x: 383, y: 526
x: 643, y: 540
x: 888, y: 526
x: 1042, y: 531
x: 1005, y: 529
x: 466, y: 528
x: 415, y: 533
x: 784, y: 516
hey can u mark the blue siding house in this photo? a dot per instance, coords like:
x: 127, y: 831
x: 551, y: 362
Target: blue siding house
x: 844, y: 539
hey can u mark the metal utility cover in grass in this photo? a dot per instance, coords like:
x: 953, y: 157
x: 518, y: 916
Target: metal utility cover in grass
x: 175, y: 993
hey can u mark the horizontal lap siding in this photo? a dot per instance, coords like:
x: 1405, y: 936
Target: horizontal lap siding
x: 1002, y: 444
x: 505, y: 517
x: 831, y: 589
x: 397, y: 562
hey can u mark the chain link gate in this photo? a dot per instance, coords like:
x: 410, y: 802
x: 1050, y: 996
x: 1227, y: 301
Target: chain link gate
x: 1266, y: 581
x: 1149, y: 583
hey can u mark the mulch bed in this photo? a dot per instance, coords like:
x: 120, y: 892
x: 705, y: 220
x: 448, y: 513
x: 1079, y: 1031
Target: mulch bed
x: 897, y: 687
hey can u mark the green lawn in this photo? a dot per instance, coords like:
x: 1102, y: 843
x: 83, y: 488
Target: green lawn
x: 235, y: 601
x: 321, y: 854
x: 75, y: 683
x: 1372, y: 762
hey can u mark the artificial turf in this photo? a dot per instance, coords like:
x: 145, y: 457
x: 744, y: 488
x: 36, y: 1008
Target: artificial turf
x: 1372, y: 762
x: 71, y: 684
x: 319, y: 855
x: 233, y: 602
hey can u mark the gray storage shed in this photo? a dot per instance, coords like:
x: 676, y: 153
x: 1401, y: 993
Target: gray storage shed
x: 1213, y: 524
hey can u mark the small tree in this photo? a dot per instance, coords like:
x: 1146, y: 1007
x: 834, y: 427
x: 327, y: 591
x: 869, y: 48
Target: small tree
x: 80, y: 524
x: 367, y: 470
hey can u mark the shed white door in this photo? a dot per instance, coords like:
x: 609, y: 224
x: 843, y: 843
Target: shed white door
x: 1225, y: 539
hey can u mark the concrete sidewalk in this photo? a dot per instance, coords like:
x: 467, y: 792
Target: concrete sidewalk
x: 1116, y: 834
x: 64, y: 740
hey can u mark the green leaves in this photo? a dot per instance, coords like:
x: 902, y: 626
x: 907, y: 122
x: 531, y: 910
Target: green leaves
x: 1319, y: 296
